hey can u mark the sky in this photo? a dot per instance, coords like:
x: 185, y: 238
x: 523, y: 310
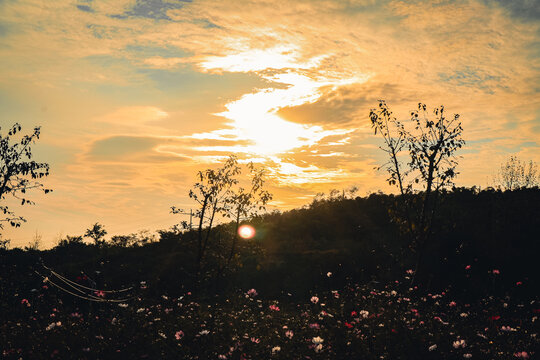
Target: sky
x: 134, y: 97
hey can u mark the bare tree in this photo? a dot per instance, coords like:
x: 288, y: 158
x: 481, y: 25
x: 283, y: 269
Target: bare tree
x: 430, y: 147
x: 18, y: 173
x: 35, y: 244
x: 516, y: 174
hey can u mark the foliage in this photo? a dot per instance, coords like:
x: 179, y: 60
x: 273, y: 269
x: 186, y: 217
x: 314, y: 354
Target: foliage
x: 136, y: 239
x: 431, y: 146
x: 219, y: 193
x: 515, y: 174
x: 18, y: 173
x: 4, y: 243
x: 210, y: 192
x: 97, y: 233
x: 242, y: 204
x: 71, y: 241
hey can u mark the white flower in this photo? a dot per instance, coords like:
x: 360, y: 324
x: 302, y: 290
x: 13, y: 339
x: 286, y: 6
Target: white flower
x: 317, y: 340
x: 276, y: 349
x: 204, y: 332
x: 329, y: 274
x: 318, y: 348
x: 459, y: 343
x: 467, y: 356
x: 123, y: 305
x: 363, y: 313
x: 432, y: 347
x: 314, y: 299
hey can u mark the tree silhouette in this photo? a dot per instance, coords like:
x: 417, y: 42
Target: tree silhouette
x: 244, y: 203
x: 209, y: 192
x: 18, y: 173
x: 515, y: 174
x: 97, y: 233
x: 431, y: 146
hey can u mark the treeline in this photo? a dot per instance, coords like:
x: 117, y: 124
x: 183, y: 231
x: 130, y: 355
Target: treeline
x: 358, y: 239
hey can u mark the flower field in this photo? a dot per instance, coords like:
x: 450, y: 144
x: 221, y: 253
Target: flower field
x: 371, y: 321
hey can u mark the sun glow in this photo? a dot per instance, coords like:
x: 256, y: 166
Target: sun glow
x: 253, y: 126
x: 246, y: 231
x: 253, y: 117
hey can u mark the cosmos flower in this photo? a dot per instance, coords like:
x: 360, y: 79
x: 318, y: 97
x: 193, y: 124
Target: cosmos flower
x: 317, y: 340
x: 364, y: 313
x: 179, y: 334
x: 432, y: 347
x: 459, y: 344
x: 314, y: 299
x: 289, y: 334
x: 276, y: 349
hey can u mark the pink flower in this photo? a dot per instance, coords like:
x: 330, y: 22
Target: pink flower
x: 522, y: 354
x: 99, y: 293
x: 273, y: 307
x: 496, y: 272
x: 410, y: 271
x: 179, y: 334
x: 252, y: 293
x: 289, y: 334
x: 25, y: 302
x: 314, y: 299
x: 452, y: 304
x: 255, y: 340
x: 468, y: 267
x: 519, y: 283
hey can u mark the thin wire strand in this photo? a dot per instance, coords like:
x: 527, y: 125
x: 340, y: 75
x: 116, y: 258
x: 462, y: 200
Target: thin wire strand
x: 82, y: 286
x: 79, y: 296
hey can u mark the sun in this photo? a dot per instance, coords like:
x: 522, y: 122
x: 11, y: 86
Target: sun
x: 246, y: 231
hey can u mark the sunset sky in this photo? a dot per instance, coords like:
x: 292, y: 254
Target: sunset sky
x: 134, y: 97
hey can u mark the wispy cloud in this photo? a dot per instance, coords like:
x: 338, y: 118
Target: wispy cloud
x: 134, y: 96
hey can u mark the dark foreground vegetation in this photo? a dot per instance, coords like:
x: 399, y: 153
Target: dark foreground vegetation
x: 334, y: 280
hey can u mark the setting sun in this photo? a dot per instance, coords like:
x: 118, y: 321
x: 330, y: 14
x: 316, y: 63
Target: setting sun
x: 246, y: 231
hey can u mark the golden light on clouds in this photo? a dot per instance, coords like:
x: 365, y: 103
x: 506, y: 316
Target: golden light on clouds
x: 135, y: 97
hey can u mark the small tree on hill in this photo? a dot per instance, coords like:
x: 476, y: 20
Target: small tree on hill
x: 515, y: 174
x: 97, y: 233
x: 244, y: 203
x: 430, y: 147
x: 18, y: 173
x: 210, y: 192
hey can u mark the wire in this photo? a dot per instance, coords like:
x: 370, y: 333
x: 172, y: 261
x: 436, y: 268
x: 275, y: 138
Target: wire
x: 88, y: 297
x: 82, y: 286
